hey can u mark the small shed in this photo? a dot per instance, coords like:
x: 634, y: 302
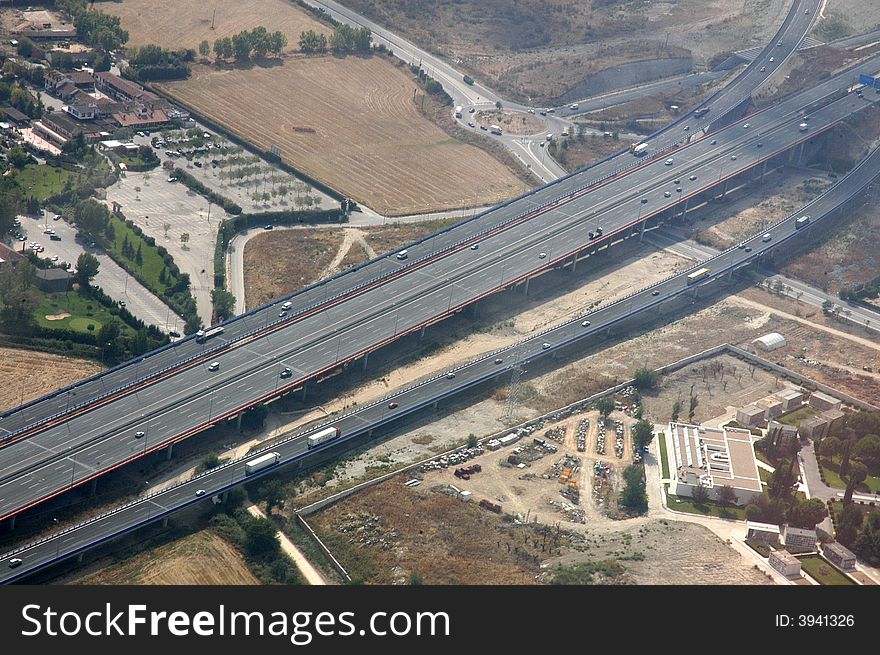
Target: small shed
x: 770, y: 341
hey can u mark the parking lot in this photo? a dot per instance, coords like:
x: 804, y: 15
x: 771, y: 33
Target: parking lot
x: 114, y: 280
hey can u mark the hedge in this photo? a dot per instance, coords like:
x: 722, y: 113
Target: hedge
x: 195, y: 185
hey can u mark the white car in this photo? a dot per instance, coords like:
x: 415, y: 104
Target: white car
x: 586, y: 324
x: 763, y: 68
x: 54, y: 258
x: 746, y: 125
x: 767, y: 237
x: 772, y: 59
x: 213, y: 366
x: 545, y: 346
x: 542, y: 255
x: 668, y: 162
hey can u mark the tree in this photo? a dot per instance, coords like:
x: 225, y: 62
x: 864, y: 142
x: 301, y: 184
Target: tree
x: 277, y: 41
x: 676, y: 410
x: 7, y: 214
x: 700, y: 495
x: 782, y: 480
x: 108, y: 338
x: 807, y: 513
x: 605, y: 405
x: 242, y: 46
x: 472, y: 440
x: 184, y: 239
x: 848, y: 523
x: 193, y: 324
x: 91, y: 218
x: 642, y: 434
x: 753, y: 512
x: 726, y: 496
x: 415, y: 578
x: 867, y: 450
x: 260, y: 537
x: 224, y: 304
x: 830, y: 446
x: 273, y: 493
x: 139, y: 255
x: 209, y: 461
x: 204, y: 48
x: 844, y: 457
x: 692, y: 407
x: 86, y: 269
x: 867, y: 544
x: 633, y: 496
x: 645, y: 378
x: 76, y: 146
x: 857, y: 474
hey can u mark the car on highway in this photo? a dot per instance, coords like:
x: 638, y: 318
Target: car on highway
x: 392, y: 405
x: 450, y: 375
x: 545, y: 346
x: 692, y: 178
x: 772, y: 59
x: 402, y: 255
x: 678, y: 189
x: 667, y: 194
x: 287, y: 305
x: 139, y: 434
x: 746, y: 125
x: 498, y: 360
x: 748, y: 249
x: 806, y: 11
x: 676, y: 181
x: 644, y: 200
x: 733, y: 158
x: 779, y: 44
x: 268, y: 226
x: 14, y: 562
x: 586, y: 324
x: 286, y: 373
x: 669, y: 162
x: 742, y: 244
x: 687, y: 128
x: 655, y: 292
x: 476, y: 246
x: 282, y: 314
x: 172, y: 179
x: 759, y: 144
x: 542, y: 255
x: 712, y: 142
x: 200, y: 492
x: 483, y: 127
x: 762, y: 69
x: 573, y: 106
x: 214, y: 366
x: 766, y: 237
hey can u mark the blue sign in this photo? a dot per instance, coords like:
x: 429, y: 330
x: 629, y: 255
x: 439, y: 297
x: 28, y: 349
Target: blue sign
x: 867, y: 80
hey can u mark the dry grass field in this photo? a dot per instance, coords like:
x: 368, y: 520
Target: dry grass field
x: 26, y: 374
x: 186, y: 23
x: 353, y: 123
x: 202, y: 558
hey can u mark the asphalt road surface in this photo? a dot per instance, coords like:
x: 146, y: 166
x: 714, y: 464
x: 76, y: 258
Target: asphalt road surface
x: 424, y: 393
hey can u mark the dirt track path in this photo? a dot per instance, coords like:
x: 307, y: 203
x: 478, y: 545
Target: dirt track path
x: 309, y: 572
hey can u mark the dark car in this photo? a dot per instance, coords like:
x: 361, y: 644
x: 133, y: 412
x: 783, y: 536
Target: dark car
x: 655, y: 292
x: 392, y: 405
x: 268, y: 226
x: 286, y: 373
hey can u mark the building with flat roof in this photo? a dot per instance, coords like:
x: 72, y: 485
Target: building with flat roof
x: 798, y: 537
x: 767, y: 533
x: 750, y: 415
x: 823, y: 401
x: 712, y: 458
x: 772, y: 406
x: 786, y: 563
x: 54, y: 279
x: 835, y: 418
x: 791, y: 399
x: 839, y: 555
x: 814, y: 427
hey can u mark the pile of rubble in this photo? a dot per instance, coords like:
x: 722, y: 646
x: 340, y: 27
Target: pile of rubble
x: 581, y: 434
x: 557, y: 434
x: 618, y: 439
x: 573, y: 514
x: 367, y: 530
x: 452, y: 459
x: 600, y: 440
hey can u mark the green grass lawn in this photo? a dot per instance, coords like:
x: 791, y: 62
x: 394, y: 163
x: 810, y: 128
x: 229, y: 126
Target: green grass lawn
x: 831, y: 468
x: 84, y: 311
x: 661, y: 447
x: 765, y: 474
x: 42, y: 181
x: 152, y: 262
x: 798, y: 415
x: 684, y: 504
x: 823, y: 571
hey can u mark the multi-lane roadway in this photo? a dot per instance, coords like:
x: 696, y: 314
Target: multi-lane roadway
x: 426, y: 287
x: 584, y: 327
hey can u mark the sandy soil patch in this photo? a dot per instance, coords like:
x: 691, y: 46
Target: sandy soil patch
x: 202, y: 558
x: 27, y: 374
x: 511, y: 123
x: 57, y: 317
x: 358, y: 127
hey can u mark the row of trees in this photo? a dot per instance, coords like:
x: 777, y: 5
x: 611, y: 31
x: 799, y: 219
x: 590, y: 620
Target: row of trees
x: 257, y: 42
x: 152, y: 62
x: 94, y: 27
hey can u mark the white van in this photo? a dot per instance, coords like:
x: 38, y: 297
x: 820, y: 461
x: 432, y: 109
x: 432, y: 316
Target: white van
x: 402, y: 254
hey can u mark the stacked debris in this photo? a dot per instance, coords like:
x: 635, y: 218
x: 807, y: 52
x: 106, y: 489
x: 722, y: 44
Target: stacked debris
x: 581, y: 434
x: 367, y: 530
x: 600, y: 439
x: 618, y: 440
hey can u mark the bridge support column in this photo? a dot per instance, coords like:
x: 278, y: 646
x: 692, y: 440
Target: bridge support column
x: 764, y: 170
x: 305, y: 390
x: 165, y: 522
x: 224, y: 496
x: 800, y: 155
x: 422, y: 334
x: 238, y: 422
x: 724, y: 190
x: 370, y: 433
x: 475, y: 312
x: 79, y: 558
x: 94, y: 487
x: 171, y: 449
x: 435, y: 404
x: 526, y: 287
x: 642, y: 231
x: 366, y: 360
x: 12, y: 524
x: 574, y: 262
x: 729, y: 275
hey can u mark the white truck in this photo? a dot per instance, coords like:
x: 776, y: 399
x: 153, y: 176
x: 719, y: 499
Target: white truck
x: 458, y: 109
x: 803, y: 127
x: 323, y: 436
x: 494, y: 129
x: 698, y: 275
x: 261, y: 462
x: 640, y: 149
x: 204, y: 335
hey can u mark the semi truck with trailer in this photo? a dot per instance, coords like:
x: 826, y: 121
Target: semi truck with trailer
x: 639, y: 149
x: 204, y: 335
x: 323, y: 436
x: 261, y: 462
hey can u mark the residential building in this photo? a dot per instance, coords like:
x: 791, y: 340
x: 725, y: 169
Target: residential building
x: 53, y: 279
x: 814, y: 427
x: 16, y: 117
x: 786, y: 563
x: 750, y: 415
x: 712, y: 458
x: 798, y: 537
x: 823, y: 401
x: 791, y: 399
x: 839, y: 555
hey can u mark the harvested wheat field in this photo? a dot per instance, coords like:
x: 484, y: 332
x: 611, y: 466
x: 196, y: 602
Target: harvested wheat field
x: 27, y: 374
x: 202, y: 558
x: 353, y: 123
x: 186, y: 23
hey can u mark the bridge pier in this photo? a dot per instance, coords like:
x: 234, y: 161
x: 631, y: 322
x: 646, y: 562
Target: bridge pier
x: 165, y: 522
x: 574, y: 262
x: 526, y: 287
x: 435, y: 404
x: 366, y: 359
x: 642, y: 231
x: 94, y: 487
x: 224, y: 496
x: 305, y: 390
x: 12, y: 524
x: 238, y: 422
x: 422, y: 334
x: 800, y: 155
x: 79, y: 558
x: 171, y: 446
x: 475, y: 312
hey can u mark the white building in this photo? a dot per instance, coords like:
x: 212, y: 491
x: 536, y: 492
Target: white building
x: 786, y: 563
x: 770, y: 341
